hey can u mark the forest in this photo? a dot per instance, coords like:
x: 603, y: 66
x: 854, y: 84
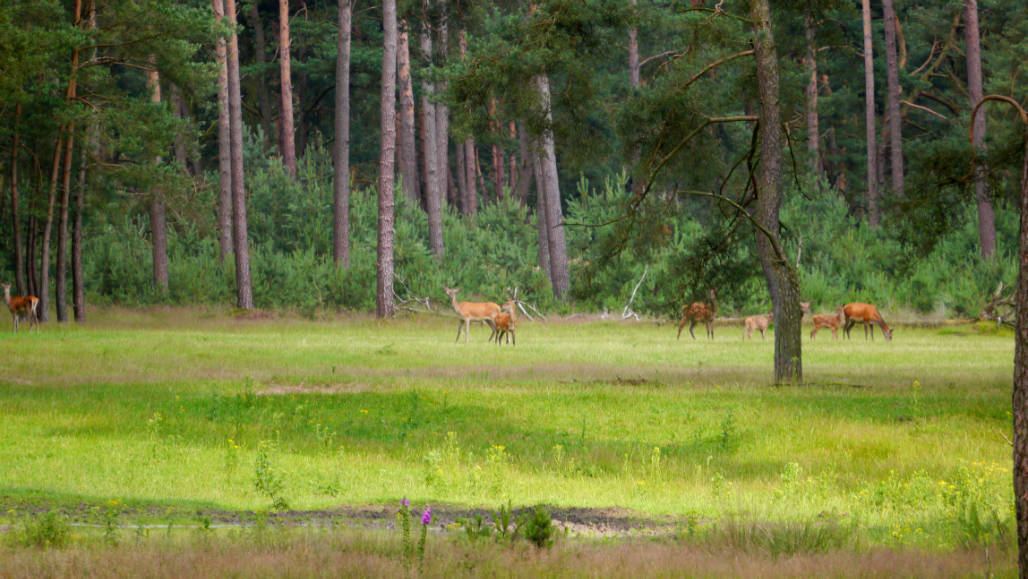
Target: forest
x: 583, y: 152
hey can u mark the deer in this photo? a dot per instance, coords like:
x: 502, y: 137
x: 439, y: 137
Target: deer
x: 699, y: 312
x: 868, y: 315
x: 506, y: 322
x: 757, y: 323
x: 25, y: 305
x: 470, y: 311
x: 828, y: 321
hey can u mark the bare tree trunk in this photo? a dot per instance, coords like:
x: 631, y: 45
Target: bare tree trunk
x: 892, y: 100
x: 259, y: 50
x: 1020, y: 398
x: 442, y: 113
x: 559, y: 274
x: 78, y: 296
x: 341, y: 147
x: 158, y: 223
x: 224, y: 142
x: 869, y: 116
x: 386, y: 203
x: 288, y: 142
x: 407, y: 139
x: 61, y: 286
x: 986, y: 215
x: 782, y: 281
x: 430, y: 156
x: 466, y: 155
x: 634, y: 76
x: 43, y: 292
x: 540, y: 216
x: 244, y: 287
x: 497, y: 152
x: 19, y: 249
x: 813, y: 129
x: 525, y: 168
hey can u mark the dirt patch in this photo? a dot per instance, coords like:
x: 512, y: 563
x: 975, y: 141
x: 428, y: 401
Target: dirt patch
x: 282, y: 389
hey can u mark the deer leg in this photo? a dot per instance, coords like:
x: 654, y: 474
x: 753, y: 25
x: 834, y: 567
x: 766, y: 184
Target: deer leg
x: 691, y: 326
x: 680, y: 326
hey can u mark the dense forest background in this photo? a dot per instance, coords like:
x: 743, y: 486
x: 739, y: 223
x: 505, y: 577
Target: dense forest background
x: 113, y: 172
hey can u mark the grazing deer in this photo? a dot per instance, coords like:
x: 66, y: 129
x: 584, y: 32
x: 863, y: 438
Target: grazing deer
x: 699, y: 312
x: 506, y: 322
x: 469, y: 311
x: 757, y: 323
x: 828, y: 321
x: 867, y: 314
x: 22, y: 306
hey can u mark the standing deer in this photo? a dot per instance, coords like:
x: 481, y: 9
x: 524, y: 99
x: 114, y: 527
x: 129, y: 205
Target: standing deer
x: 469, y: 311
x: 21, y: 306
x: 506, y: 322
x: 699, y: 312
x: 828, y: 321
x: 757, y: 323
x: 868, y: 315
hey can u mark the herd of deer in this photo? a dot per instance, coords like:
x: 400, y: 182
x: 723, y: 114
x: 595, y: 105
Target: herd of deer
x: 846, y: 316
x: 503, y: 319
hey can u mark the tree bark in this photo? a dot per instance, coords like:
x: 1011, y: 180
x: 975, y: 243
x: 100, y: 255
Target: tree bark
x: 386, y: 203
x: 540, y: 216
x: 19, y: 248
x: 430, y: 156
x: 244, y: 287
x: 78, y: 296
x: 259, y: 51
x: 43, y: 291
x: 559, y: 275
x: 408, y: 141
x: 782, y: 281
x: 986, y: 215
x: 442, y: 116
x: 224, y: 143
x: 288, y: 143
x: 341, y: 147
x: 466, y: 155
x: 869, y: 116
x: 1020, y: 398
x: 158, y: 223
x: 497, y: 152
x: 525, y: 167
x: 813, y: 118
x: 892, y: 100
x: 634, y: 73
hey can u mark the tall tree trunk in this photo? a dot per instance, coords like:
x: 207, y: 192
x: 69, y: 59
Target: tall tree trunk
x: 869, y: 117
x: 341, y: 147
x: 61, y: 286
x: 386, y: 203
x: 19, y: 249
x: 1020, y: 398
x: 442, y: 112
x: 408, y: 141
x: 813, y: 128
x: 559, y: 275
x: 540, y: 215
x: 525, y: 169
x: 259, y: 51
x: 986, y: 215
x: 892, y: 100
x: 288, y: 143
x: 43, y: 291
x: 224, y: 141
x: 466, y: 154
x: 430, y: 141
x: 244, y: 287
x: 782, y: 281
x: 158, y: 222
x: 634, y: 72
x: 78, y: 296
x: 495, y: 125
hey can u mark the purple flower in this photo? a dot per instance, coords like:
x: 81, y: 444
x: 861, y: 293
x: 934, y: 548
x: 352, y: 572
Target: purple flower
x: 427, y: 517
x: 405, y: 502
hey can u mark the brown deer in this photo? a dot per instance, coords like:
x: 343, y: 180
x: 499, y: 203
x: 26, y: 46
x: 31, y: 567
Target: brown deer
x: 469, y: 311
x: 699, y: 312
x: 757, y: 323
x: 25, y: 305
x: 868, y: 315
x: 506, y: 323
x: 828, y: 321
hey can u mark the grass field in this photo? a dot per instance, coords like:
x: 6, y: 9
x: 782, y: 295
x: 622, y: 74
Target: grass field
x: 143, y: 418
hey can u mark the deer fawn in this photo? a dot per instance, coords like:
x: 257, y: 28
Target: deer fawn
x: 506, y: 322
x: 469, y: 311
x: 699, y: 312
x: 828, y: 321
x: 757, y: 323
x: 22, y: 306
x: 868, y: 315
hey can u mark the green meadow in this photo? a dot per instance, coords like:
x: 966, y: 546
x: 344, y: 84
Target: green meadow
x: 147, y: 417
